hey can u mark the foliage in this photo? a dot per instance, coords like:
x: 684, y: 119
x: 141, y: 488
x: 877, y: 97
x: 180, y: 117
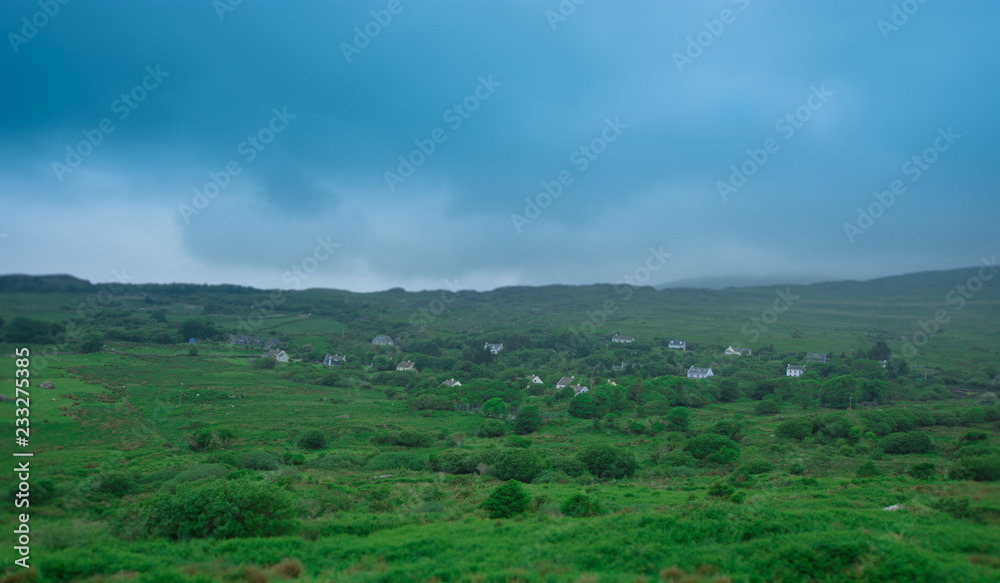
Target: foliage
x: 921, y: 471
x: 495, y: 407
x: 798, y: 428
x: 720, y: 490
x: 491, y: 428
x: 582, y: 406
x: 116, y: 483
x: 91, y: 342
x: 221, y: 509
x: 757, y: 466
x: 678, y: 419
x: 506, y: 500
x: 259, y: 460
x: 605, y: 461
x: 579, y: 506
x: 405, y: 439
x: 712, y: 447
x: 202, y: 327
x: 907, y: 442
x: 516, y: 464
x: 312, y: 439
x: 767, y: 407
x: 395, y: 460
x: 528, y: 420
x: 868, y: 470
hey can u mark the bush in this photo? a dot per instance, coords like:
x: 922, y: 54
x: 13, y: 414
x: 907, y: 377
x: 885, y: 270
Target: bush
x: 678, y: 419
x: 767, y: 408
x: 605, y: 461
x: 796, y: 469
x: 868, y: 470
x: 528, y: 420
x: 720, y: 490
x: 988, y: 399
x: 259, y: 460
x: 339, y: 461
x: 572, y: 466
x: 518, y: 441
x: 706, y: 445
x: 798, y: 428
x: 506, y: 500
x: 491, y: 428
x: 266, y: 362
x: 405, y: 439
x: 221, y: 509
x: 579, y: 506
x: 908, y: 442
x: 757, y: 466
x: 395, y: 460
x: 984, y: 468
x: 194, y: 473
x: 516, y: 464
x: 293, y: 458
x: 93, y: 342
x: 114, y: 483
x: 312, y: 439
x: 921, y: 471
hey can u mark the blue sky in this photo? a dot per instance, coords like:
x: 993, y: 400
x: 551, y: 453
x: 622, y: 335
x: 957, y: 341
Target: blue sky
x: 295, y: 121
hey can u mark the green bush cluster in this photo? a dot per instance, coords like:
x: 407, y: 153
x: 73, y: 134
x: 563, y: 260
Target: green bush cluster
x: 221, y: 509
x: 506, y: 500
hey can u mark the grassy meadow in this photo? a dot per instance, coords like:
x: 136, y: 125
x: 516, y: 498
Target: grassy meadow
x: 158, y: 460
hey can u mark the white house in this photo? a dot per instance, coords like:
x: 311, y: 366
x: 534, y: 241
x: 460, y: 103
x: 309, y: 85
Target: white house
x: 382, y: 340
x: 334, y: 360
x: 794, y: 371
x: 451, y: 383
x: 699, y: 373
x: 678, y: 344
x: 738, y: 351
x: 578, y: 389
x: 564, y: 382
x: 534, y: 379
x: 494, y: 348
x: 817, y: 357
x: 625, y: 339
x: 279, y: 355
x: 406, y: 365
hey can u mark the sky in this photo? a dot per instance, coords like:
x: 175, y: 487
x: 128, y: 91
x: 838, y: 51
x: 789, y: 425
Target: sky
x: 476, y: 145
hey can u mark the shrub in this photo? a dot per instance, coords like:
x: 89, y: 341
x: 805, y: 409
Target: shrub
x: 221, y: 509
x: 518, y: 441
x: 395, y: 460
x: 579, y: 506
x: 491, y: 428
x: 921, y: 471
x: 405, y: 439
x: 730, y: 428
x: 767, y: 408
x: 528, y: 420
x: 868, y: 470
x: 796, y: 469
x: 678, y: 419
x: 288, y: 568
x: 571, y: 465
x: 984, y: 468
x: 908, y: 442
x: 293, y: 458
x: 516, y: 464
x: 312, y: 439
x: 605, y: 461
x: 506, y: 500
x: 114, y: 483
x: 988, y: 399
x: 707, y: 444
x: 339, y: 461
x: 194, y: 473
x: 259, y: 460
x: 798, y: 428
x: 757, y: 466
x: 93, y: 342
x: 720, y: 490
x: 454, y: 461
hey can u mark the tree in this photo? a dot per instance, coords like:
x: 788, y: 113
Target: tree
x: 880, y: 351
x: 495, y: 407
x: 516, y: 464
x: 528, y: 420
x: 312, y: 439
x: 582, y: 406
x: 579, y: 506
x: 605, y: 461
x: 507, y: 500
x: 838, y: 392
x: 679, y: 419
x: 729, y: 390
x: 92, y: 342
x: 27, y: 331
x: 201, y: 327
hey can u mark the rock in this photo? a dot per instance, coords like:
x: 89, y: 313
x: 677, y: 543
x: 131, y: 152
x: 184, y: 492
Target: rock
x: 47, y: 385
x: 894, y: 507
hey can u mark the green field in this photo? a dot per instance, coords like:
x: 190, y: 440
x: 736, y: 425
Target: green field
x: 156, y: 460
